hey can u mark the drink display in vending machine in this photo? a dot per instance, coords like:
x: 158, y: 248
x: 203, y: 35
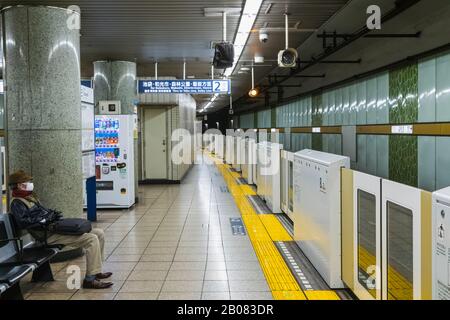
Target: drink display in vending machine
x: 114, y: 157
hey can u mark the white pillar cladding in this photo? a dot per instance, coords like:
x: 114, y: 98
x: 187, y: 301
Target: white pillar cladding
x: 116, y: 80
x: 43, y: 112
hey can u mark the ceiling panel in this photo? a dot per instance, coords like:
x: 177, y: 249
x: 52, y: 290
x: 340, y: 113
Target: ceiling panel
x: 173, y: 31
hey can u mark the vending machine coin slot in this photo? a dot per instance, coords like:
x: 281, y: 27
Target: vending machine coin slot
x: 105, y: 169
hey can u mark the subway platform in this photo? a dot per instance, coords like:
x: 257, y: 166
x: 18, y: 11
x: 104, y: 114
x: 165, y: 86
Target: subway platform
x: 178, y: 243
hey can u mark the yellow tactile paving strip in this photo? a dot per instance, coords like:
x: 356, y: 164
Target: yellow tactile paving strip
x: 276, y: 231
x: 399, y: 288
x: 248, y: 190
x: 322, y: 295
x: 263, y: 230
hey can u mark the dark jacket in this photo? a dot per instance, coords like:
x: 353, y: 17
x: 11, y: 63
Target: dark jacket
x: 30, y: 215
x: 24, y: 216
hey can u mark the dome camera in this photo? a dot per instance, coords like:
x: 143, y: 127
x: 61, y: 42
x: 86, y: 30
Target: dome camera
x: 263, y: 36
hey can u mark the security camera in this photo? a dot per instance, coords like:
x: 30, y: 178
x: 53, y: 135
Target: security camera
x: 263, y: 36
x: 287, y: 58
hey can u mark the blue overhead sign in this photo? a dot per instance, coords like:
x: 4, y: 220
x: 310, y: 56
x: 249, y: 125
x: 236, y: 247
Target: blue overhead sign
x: 86, y: 83
x: 185, y: 86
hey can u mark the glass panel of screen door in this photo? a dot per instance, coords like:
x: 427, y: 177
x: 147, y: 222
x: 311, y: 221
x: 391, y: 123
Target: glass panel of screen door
x: 399, y: 252
x: 367, y: 238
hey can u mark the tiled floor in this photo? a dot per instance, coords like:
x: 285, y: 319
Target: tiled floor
x: 175, y: 244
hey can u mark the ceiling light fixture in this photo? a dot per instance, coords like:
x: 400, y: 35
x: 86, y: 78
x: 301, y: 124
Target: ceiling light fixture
x: 254, y: 92
x: 248, y: 17
x: 259, y: 58
x: 269, y: 7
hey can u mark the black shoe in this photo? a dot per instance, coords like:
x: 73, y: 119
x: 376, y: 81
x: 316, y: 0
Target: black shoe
x: 96, y: 284
x: 101, y: 276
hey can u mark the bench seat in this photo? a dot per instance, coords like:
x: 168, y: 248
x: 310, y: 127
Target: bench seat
x: 37, y: 256
x: 11, y: 275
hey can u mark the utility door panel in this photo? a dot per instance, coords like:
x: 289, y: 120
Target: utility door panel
x: 155, y: 143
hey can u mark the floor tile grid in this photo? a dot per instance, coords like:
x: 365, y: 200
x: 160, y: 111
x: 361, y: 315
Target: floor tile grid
x: 244, y: 283
x: 111, y: 295
x: 121, y: 284
x: 160, y: 296
x: 213, y: 192
x: 140, y: 260
x: 217, y: 211
x: 59, y: 268
x: 160, y: 293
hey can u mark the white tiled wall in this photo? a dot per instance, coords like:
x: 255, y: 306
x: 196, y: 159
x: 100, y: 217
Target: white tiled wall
x: 434, y: 106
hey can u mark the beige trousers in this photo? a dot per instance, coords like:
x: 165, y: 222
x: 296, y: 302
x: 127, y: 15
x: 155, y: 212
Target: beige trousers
x: 92, y: 243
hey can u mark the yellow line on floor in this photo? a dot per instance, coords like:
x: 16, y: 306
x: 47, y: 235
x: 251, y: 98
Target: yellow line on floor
x: 263, y: 230
x: 321, y: 295
x: 275, y: 228
x: 278, y: 275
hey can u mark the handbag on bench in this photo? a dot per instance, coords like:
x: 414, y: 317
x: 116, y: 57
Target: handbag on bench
x: 71, y: 226
x: 65, y: 226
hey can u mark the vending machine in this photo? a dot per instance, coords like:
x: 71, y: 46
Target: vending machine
x: 114, y: 158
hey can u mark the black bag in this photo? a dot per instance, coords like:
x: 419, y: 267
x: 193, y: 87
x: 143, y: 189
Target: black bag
x: 72, y: 226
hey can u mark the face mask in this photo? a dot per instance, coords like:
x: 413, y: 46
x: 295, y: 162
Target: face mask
x: 28, y: 186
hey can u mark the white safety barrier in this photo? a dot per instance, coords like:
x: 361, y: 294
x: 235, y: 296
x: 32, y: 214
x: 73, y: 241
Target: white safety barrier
x: 317, y: 211
x: 287, y: 183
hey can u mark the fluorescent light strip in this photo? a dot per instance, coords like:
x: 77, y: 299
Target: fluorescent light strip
x: 248, y: 17
x: 249, y: 14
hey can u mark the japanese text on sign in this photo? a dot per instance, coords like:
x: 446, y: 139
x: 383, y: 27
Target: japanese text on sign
x: 185, y: 86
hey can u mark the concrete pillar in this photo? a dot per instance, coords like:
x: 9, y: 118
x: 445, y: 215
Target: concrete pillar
x: 43, y: 112
x: 116, y: 80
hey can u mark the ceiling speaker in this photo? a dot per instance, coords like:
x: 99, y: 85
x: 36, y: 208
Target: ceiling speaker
x: 288, y: 58
x: 224, y: 55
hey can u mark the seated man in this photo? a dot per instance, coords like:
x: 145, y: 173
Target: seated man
x: 25, y: 207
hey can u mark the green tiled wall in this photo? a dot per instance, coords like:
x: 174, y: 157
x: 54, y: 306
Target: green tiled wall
x: 419, y: 92
x: 403, y: 108
x: 2, y: 111
x: 246, y: 121
x: 332, y: 143
x: 317, y: 142
x: 373, y: 155
x: 434, y: 106
x: 264, y: 118
x: 273, y: 117
x: 316, y: 119
x: 403, y: 159
x: 295, y: 114
x: 403, y: 92
x: 301, y: 141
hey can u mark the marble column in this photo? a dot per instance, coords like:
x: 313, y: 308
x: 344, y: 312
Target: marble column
x: 43, y: 112
x: 116, y: 80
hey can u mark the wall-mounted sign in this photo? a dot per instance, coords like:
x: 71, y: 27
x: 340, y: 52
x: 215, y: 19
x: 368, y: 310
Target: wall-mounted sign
x: 87, y: 94
x: 86, y: 83
x: 185, y: 86
x: 406, y: 129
